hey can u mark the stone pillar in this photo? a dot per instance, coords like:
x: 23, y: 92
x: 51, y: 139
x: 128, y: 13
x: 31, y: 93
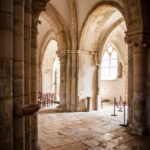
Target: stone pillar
x: 95, y: 88
x: 37, y: 8
x: 130, y: 80
x: 139, y: 122
x: 68, y: 80
x: 63, y: 60
x: 98, y: 103
x: 73, y: 55
x: 148, y: 85
x: 33, y: 85
x: 40, y: 78
x: 27, y: 61
x: 6, y: 62
x: 74, y: 80
x: 18, y: 72
x: 56, y: 76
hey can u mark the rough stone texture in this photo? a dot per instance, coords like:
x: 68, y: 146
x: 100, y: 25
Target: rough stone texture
x: 18, y: 73
x: 90, y: 19
x: 82, y: 131
x: 6, y: 64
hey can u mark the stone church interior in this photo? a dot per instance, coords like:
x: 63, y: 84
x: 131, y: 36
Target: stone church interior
x: 74, y: 75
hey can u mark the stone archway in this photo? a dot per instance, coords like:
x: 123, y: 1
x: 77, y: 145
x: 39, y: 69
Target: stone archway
x: 19, y: 86
x: 62, y: 35
x: 99, y: 25
x: 90, y: 54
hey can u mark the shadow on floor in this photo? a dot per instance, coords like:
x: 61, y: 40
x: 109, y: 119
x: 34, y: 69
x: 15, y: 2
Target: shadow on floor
x: 47, y: 111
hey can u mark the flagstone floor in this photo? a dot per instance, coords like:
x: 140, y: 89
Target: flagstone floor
x: 86, y: 131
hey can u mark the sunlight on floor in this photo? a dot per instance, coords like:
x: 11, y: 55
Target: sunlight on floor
x: 86, y: 131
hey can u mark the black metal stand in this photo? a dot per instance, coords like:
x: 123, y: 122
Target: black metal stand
x: 114, y: 108
x: 120, y: 109
x: 124, y: 125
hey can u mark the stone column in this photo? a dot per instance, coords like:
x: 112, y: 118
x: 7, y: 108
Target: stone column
x: 68, y: 80
x: 139, y: 122
x: 95, y: 88
x: 98, y: 104
x: 63, y: 60
x: 56, y: 76
x: 37, y: 8
x: 18, y: 73
x: 33, y: 85
x: 148, y: 85
x: 74, y: 80
x: 39, y: 78
x: 27, y: 61
x: 73, y: 54
x: 130, y: 80
x: 6, y: 64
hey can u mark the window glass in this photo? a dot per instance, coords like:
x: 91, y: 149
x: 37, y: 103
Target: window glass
x: 109, y: 64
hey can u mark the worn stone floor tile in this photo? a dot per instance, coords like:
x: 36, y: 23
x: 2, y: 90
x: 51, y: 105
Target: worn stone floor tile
x: 123, y: 139
x: 75, y: 146
x: 104, y: 138
x: 86, y: 131
x: 110, y: 145
x: 100, y: 130
x: 111, y: 127
x: 96, y: 148
x: 91, y: 143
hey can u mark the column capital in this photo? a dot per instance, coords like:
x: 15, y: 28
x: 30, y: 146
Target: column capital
x: 89, y: 52
x: 139, y: 42
x: 62, y: 54
x: 37, y: 7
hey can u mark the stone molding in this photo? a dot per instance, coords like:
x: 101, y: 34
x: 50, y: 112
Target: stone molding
x: 80, y: 51
x: 62, y: 56
x: 37, y: 7
x: 139, y: 42
x: 89, y: 52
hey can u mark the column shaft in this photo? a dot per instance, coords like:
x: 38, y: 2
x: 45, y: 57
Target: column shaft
x: 130, y: 82
x: 148, y: 85
x: 33, y: 87
x: 74, y: 41
x: 63, y: 60
x: 27, y: 61
x: 63, y: 82
x: 74, y: 81
x: 137, y: 112
x: 6, y: 62
x: 68, y: 84
x: 18, y: 72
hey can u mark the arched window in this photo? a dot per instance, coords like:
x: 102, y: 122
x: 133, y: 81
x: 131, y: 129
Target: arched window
x: 109, y: 64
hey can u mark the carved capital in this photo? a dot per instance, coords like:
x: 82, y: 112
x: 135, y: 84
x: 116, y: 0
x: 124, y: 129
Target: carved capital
x: 139, y: 42
x: 37, y: 7
x: 89, y: 52
x: 62, y: 54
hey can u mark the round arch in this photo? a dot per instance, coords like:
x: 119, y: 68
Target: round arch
x: 105, y: 15
x: 58, y: 25
x: 101, y: 21
x: 49, y: 58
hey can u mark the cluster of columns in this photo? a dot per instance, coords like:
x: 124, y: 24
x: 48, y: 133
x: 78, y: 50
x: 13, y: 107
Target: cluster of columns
x: 18, y: 74
x: 138, y: 86
x: 18, y: 79
x: 6, y: 75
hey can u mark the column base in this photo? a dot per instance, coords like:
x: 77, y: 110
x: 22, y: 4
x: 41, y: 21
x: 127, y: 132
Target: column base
x: 61, y: 108
x: 137, y: 130
x: 38, y: 147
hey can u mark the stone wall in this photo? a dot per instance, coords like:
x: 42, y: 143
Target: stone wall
x: 19, y: 65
